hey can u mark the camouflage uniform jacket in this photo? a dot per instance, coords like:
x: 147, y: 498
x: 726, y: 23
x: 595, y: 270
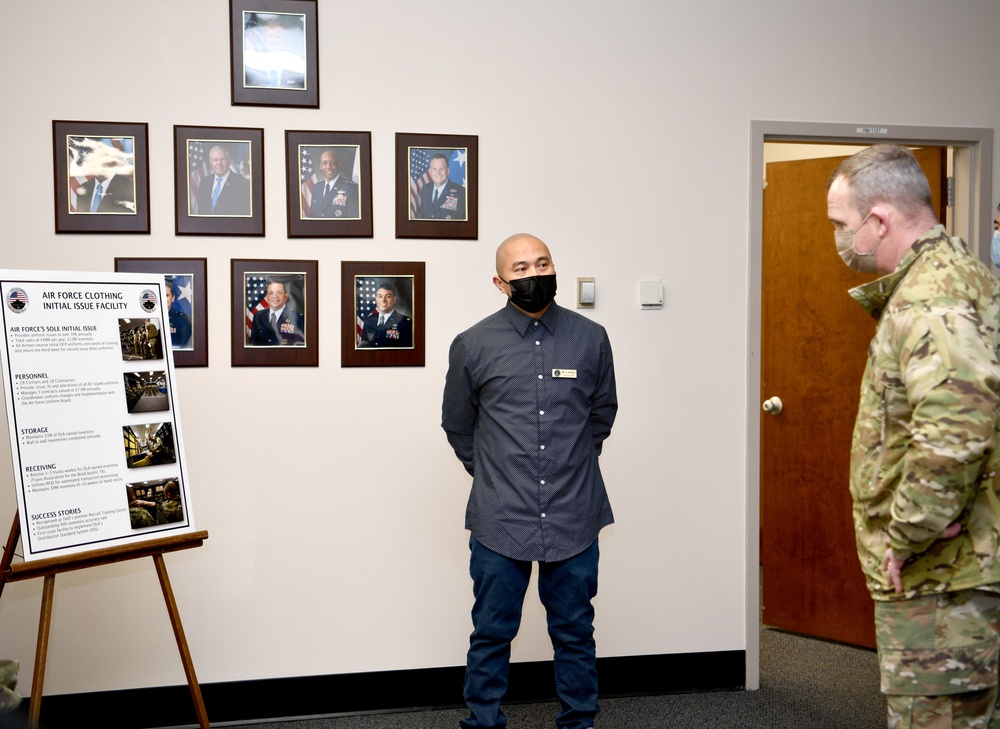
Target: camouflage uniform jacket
x: 923, y: 452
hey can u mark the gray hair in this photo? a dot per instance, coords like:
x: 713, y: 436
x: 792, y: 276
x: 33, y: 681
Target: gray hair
x: 885, y: 173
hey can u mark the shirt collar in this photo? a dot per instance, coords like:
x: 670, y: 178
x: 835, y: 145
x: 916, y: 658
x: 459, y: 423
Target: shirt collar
x: 523, y: 322
x: 874, y: 295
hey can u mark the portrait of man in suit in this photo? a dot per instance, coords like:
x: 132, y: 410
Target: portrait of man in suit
x: 224, y: 190
x: 333, y: 194
x: 101, y: 176
x: 389, y: 324
x: 277, y: 319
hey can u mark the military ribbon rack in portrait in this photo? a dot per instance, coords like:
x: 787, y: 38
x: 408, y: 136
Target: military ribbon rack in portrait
x: 274, y: 54
x: 329, y: 184
x: 275, y: 313
x: 382, y: 313
x: 437, y: 186
x: 101, y: 177
x: 218, y: 181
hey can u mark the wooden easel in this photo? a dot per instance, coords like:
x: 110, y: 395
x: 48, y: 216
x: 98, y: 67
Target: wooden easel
x: 49, y: 568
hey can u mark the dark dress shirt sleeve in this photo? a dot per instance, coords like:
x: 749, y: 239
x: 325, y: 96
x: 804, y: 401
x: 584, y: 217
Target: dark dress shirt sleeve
x: 604, y: 406
x: 460, y: 408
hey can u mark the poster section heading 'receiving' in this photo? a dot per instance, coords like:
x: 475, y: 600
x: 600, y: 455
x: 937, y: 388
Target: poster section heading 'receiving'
x: 92, y: 411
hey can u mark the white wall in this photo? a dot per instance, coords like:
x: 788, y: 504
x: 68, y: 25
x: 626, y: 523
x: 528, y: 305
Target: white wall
x: 617, y: 133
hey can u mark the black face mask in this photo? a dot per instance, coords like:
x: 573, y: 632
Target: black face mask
x: 532, y: 293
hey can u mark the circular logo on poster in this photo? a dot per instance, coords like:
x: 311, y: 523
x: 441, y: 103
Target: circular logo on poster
x: 17, y: 300
x: 147, y: 300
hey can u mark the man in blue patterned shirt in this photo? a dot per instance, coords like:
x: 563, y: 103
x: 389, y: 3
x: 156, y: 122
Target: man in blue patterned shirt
x: 528, y: 402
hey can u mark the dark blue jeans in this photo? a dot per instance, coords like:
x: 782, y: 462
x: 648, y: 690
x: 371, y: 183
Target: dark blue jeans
x: 566, y: 589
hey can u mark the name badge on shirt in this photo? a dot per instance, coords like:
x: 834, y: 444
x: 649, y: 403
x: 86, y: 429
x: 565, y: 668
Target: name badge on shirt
x: 568, y: 374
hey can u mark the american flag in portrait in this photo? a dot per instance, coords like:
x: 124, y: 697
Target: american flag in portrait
x: 253, y: 298
x: 197, y: 169
x: 307, y: 180
x: 420, y: 162
x: 364, y: 297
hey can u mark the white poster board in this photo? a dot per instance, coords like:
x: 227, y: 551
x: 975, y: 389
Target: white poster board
x: 91, y: 400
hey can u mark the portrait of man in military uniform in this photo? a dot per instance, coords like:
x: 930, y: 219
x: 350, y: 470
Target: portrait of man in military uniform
x: 329, y: 182
x: 438, y: 184
x: 274, y: 307
x: 385, y: 315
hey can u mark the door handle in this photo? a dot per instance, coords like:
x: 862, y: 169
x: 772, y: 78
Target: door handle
x: 772, y: 406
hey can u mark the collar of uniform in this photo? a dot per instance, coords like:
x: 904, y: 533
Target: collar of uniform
x: 874, y: 295
x: 522, y: 322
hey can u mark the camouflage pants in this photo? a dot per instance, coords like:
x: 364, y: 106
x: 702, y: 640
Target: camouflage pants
x: 938, y: 660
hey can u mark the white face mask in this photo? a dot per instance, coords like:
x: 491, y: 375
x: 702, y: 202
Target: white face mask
x: 860, y: 262
x: 995, y: 248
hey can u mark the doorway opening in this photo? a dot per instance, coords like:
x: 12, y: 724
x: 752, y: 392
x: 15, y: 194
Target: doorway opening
x: 968, y: 214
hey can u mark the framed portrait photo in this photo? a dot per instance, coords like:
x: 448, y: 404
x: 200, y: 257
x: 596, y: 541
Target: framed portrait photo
x: 101, y: 177
x: 275, y: 60
x: 219, y: 180
x: 437, y: 186
x: 186, y: 290
x: 382, y: 314
x: 329, y: 183
x: 275, y: 313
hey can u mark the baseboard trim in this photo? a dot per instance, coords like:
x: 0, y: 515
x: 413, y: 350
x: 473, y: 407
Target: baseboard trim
x: 385, y: 691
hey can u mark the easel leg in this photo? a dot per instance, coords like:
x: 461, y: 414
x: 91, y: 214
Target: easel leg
x: 175, y: 620
x: 8, y: 552
x: 44, y: 622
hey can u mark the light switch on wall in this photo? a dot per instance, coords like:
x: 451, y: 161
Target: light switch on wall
x: 586, y: 292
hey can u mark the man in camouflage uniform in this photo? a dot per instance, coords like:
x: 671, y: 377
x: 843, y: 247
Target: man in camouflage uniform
x: 924, y: 461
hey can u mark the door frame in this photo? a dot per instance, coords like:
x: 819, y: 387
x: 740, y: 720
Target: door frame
x: 974, y: 147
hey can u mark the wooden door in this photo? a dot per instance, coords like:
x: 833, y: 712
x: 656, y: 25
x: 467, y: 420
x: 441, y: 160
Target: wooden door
x: 814, y: 341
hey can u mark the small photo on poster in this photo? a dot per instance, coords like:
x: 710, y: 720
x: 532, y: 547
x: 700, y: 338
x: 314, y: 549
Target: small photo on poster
x: 151, y: 503
x: 146, y: 391
x: 140, y: 339
x: 151, y: 444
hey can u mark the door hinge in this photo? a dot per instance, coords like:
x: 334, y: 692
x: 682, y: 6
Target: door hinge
x: 951, y: 192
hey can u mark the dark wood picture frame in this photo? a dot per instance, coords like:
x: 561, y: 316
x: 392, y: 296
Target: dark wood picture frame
x: 301, y: 279
x: 83, y: 152
x: 274, y: 54
x: 240, y: 209
x: 414, y: 156
x: 197, y: 298
x: 347, y: 212
x: 356, y: 276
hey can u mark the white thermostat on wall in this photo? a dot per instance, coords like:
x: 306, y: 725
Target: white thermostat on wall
x: 651, y: 293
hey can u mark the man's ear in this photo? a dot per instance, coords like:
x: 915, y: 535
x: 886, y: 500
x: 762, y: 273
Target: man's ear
x: 498, y: 282
x: 883, y: 215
